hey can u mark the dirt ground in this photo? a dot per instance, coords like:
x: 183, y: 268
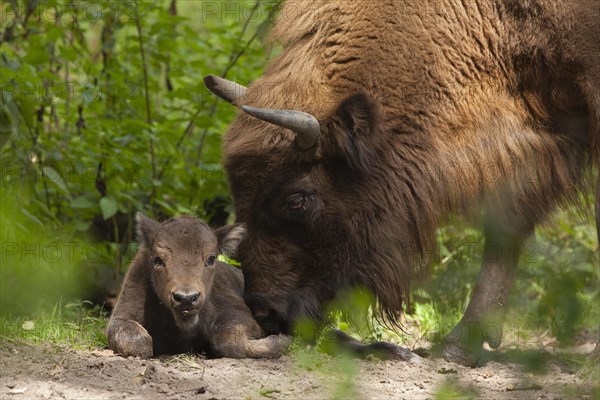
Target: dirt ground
x: 51, y: 372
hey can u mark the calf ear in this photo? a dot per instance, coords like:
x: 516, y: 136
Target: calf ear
x: 229, y: 238
x: 352, y: 132
x: 145, y: 228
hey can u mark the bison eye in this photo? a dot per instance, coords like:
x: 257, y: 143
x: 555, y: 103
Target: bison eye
x: 158, y: 262
x: 296, y: 202
x: 210, y: 261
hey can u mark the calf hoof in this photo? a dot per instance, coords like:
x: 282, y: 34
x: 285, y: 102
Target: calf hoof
x: 130, y: 339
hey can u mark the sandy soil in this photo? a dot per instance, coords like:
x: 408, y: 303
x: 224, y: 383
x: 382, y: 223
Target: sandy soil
x: 51, y: 372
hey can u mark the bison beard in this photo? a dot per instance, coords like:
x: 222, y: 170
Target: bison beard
x: 408, y: 112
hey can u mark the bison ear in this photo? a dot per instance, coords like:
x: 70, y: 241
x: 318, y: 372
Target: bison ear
x: 352, y: 131
x: 145, y: 228
x: 229, y: 238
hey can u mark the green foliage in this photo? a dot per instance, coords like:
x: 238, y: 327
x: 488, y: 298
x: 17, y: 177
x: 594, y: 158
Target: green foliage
x: 39, y: 266
x: 556, y: 292
x: 109, y: 112
x: 452, y: 391
x: 352, y: 308
x: 338, y: 373
x: 75, y: 325
x: 103, y: 113
x: 561, y: 274
x: 556, y: 288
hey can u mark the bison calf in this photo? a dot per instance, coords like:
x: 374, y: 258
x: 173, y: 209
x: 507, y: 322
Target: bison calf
x: 177, y: 297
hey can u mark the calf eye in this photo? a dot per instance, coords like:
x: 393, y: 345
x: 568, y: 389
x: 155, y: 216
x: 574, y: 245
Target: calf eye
x: 210, y: 261
x: 158, y: 262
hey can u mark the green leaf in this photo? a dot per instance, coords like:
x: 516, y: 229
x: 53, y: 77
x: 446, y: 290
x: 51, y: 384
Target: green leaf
x: 26, y: 108
x: 68, y: 53
x: 109, y: 207
x: 54, y: 33
x: 32, y: 217
x: 82, y: 202
x: 262, y: 30
x: 83, y: 226
x: 53, y: 175
x: 204, y: 121
x: 37, y: 56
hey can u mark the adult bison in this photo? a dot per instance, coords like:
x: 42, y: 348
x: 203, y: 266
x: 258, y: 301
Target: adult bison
x: 380, y: 118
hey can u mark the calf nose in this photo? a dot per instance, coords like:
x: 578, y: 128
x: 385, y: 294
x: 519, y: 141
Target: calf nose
x: 185, y: 297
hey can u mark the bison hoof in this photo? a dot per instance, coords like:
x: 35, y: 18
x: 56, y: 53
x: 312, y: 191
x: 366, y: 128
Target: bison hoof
x: 464, y: 344
x: 494, y: 343
x: 456, y: 353
x: 590, y: 371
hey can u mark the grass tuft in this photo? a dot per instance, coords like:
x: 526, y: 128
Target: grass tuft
x: 76, y: 325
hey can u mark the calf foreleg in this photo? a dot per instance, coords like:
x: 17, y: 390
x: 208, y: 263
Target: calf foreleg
x: 126, y: 335
x: 242, y: 340
x: 129, y: 338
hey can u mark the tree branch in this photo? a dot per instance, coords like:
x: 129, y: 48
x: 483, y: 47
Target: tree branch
x: 138, y: 25
x: 233, y: 59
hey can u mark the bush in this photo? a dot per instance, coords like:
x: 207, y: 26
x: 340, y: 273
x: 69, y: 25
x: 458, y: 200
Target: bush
x: 103, y: 113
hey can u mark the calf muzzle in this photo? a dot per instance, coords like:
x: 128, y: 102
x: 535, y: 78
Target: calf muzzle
x: 185, y: 299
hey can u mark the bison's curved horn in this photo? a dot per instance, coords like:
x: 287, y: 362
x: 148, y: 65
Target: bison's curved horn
x: 307, y: 128
x: 227, y: 90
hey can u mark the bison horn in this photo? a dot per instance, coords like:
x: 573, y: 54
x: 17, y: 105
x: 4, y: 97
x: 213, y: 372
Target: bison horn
x: 307, y: 128
x: 227, y: 90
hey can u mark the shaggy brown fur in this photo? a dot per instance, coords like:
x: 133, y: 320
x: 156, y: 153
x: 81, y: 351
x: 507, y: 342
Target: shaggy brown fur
x: 177, y: 298
x: 426, y: 109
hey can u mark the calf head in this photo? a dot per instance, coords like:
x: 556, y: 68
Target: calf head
x: 182, y: 254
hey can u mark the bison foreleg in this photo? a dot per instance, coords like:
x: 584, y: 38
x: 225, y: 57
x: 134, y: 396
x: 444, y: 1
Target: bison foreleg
x: 382, y: 350
x: 129, y: 338
x: 595, y: 356
x: 484, y: 317
x: 591, y: 369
